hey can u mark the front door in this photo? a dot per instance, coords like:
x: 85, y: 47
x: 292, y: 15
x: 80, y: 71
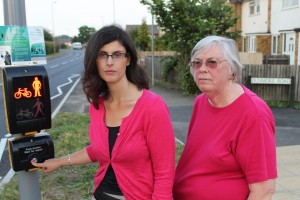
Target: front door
x: 289, y: 46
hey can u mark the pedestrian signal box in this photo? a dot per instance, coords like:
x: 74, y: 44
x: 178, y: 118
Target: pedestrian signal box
x: 27, y: 99
x: 23, y: 149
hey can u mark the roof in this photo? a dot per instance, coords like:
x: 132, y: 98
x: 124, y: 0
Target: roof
x: 131, y: 27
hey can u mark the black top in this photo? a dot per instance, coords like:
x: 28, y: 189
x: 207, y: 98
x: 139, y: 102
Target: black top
x: 109, y: 183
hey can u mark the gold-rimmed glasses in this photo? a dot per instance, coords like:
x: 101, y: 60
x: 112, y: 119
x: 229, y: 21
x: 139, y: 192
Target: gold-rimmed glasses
x: 210, y: 63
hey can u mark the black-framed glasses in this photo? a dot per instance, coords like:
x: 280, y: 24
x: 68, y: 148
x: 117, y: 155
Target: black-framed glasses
x: 210, y: 63
x: 114, y: 56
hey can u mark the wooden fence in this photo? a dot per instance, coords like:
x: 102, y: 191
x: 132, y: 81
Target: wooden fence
x: 278, y: 92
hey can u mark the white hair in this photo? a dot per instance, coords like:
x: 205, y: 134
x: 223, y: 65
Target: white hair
x: 229, y: 49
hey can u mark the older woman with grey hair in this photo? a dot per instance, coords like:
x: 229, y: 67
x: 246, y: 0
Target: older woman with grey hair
x: 230, y: 153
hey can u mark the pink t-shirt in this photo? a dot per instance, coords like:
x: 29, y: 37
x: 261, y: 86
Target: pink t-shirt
x: 143, y: 157
x: 227, y: 149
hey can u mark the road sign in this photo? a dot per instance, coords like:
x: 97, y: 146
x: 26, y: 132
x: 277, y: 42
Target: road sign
x: 27, y: 99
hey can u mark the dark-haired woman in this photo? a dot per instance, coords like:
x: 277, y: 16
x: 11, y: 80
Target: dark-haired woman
x: 131, y: 135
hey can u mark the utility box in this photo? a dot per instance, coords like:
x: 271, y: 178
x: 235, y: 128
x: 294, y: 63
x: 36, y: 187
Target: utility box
x: 22, y: 150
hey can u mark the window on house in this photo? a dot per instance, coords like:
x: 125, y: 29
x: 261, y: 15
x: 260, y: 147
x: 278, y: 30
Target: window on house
x: 254, y: 7
x: 290, y: 3
x: 274, y: 45
x: 291, y: 44
x: 244, y: 44
x: 284, y: 42
x: 251, y: 44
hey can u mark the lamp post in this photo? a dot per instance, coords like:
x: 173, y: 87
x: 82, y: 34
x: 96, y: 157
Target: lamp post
x: 152, y: 49
x: 102, y: 20
x: 53, y: 2
x: 114, y: 10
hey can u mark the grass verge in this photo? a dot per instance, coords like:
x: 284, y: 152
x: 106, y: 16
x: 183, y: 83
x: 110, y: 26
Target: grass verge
x: 69, y: 134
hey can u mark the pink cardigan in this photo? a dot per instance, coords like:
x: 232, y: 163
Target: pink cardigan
x: 143, y: 156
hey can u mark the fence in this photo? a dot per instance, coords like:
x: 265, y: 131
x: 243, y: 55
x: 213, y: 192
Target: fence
x: 278, y: 92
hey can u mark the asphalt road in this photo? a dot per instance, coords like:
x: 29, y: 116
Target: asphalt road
x: 287, y: 120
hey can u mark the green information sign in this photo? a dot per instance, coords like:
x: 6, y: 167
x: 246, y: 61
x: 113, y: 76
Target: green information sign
x: 22, y: 45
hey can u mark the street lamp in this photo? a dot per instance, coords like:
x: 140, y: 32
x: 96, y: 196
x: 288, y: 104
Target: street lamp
x: 114, y: 10
x: 102, y: 20
x: 152, y: 49
x: 53, y: 2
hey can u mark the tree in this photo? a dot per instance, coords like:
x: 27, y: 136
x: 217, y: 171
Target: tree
x: 161, y: 44
x: 134, y: 34
x: 185, y: 22
x: 47, y: 35
x: 63, y: 37
x: 74, y: 39
x: 143, y: 37
x: 85, y: 33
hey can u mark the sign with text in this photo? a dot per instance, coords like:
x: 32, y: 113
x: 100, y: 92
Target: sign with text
x: 22, y: 45
x: 23, y: 149
x: 281, y: 81
x: 27, y: 98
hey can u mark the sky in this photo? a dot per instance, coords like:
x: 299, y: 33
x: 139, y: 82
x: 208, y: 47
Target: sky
x: 66, y: 16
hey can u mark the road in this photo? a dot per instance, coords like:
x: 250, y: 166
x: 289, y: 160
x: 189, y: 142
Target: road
x: 180, y: 106
x: 64, y: 71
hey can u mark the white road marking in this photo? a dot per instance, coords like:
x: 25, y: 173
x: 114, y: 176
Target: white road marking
x: 54, y: 66
x: 179, y: 141
x: 7, y: 178
x: 66, y: 96
x: 2, y: 146
x: 67, y: 83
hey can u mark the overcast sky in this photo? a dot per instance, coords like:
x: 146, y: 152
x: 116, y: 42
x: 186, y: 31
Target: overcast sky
x: 69, y: 15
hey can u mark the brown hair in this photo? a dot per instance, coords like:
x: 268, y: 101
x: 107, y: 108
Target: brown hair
x: 93, y: 85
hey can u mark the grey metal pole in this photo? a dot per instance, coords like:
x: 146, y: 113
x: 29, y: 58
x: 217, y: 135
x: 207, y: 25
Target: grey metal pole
x: 152, y: 47
x: 14, y: 12
x: 114, y: 11
x: 29, y: 188
x: 53, y: 26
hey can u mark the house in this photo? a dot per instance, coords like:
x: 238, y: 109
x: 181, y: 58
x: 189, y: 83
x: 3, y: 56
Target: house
x: 156, y: 30
x: 285, y: 29
x: 269, y: 27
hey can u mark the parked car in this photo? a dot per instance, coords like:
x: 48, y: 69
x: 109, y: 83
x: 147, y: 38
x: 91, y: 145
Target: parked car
x: 77, y: 45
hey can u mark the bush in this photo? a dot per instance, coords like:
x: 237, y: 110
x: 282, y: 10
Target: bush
x: 186, y: 81
x: 169, y: 64
x: 50, y: 47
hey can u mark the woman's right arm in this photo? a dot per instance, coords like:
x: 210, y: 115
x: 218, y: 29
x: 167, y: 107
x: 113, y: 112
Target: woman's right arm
x: 78, y: 158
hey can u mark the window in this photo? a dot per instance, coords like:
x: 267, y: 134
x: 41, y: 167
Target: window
x: 284, y: 42
x: 254, y: 7
x: 251, y: 44
x: 274, y: 45
x: 244, y: 44
x: 291, y: 45
x: 290, y: 3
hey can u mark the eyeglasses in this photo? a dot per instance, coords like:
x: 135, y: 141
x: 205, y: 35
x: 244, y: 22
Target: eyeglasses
x: 115, y: 56
x: 210, y: 63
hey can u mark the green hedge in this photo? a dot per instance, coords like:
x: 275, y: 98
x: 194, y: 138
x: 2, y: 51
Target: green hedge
x: 49, y: 47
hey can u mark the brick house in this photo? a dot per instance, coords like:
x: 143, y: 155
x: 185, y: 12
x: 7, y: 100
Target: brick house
x: 270, y: 27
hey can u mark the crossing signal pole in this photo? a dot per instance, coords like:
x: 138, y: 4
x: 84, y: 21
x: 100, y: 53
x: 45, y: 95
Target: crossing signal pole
x: 28, y: 111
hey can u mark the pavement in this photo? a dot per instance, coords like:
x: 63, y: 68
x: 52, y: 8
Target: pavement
x: 287, y: 134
